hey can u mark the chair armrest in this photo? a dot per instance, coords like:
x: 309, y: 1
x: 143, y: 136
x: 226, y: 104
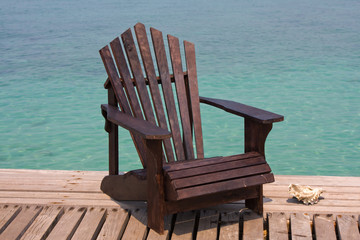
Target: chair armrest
x: 137, y: 126
x: 243, y: 110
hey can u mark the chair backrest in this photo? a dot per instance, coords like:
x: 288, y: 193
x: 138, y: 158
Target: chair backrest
x: 142, y: 96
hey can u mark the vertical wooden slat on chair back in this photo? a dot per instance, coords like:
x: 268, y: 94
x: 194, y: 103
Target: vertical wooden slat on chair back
x: 120, y: 96
x: 194, y: 96
x: 136, y: 89
x: 153, y: 84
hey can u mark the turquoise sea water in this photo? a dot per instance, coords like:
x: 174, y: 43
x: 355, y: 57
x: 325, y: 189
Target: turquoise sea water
x: 300, y: 59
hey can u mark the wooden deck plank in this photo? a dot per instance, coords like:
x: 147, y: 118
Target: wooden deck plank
x: 229, y: 227
x: 317, y: 180
x: 55, y: 201
x: 271, y: 189
x: 114, y: 225
x: 39, y: 188
x: 67, y: 224
x: 54, y: 195
x: 322, y: 202
x: 136, y: 227
x: 208, y: 225
x: 7, y: 214
x: 311, y: 209
x: 43, y: 223
x: 253, y: 226
x: 324, y: 227
x: 347, y: 226
x: 277, y: 226
x: 300, y: 227
x: 21, y: 223
x: 91, y: 224
x: 167, y: 225
x: 184, y: 226
x: 336, y: 194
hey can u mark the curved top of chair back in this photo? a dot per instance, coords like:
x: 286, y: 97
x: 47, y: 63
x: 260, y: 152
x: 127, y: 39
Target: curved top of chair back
x: 139, y: 95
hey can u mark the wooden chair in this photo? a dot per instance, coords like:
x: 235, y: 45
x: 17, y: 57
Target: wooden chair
x: 176, y: 177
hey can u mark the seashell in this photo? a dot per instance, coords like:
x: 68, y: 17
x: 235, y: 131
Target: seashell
x: 306, y: 194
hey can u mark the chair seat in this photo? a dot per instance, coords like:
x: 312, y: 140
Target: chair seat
x: 193, y: 178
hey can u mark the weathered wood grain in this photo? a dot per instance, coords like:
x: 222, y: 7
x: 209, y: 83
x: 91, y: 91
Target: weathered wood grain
x: 138, y: 75
x: 214, y: 177
x: 243, y: 110
x: 219, y: 166
x: 277, y: 226
x: 229, y: 225
x: 252, y: 226
x: 184, y: 226
x: 175, y: 57
x: 7, y: 215
x: 43, y: 223
x: 152, y: 235
x: 136, y: 227
x: 113, y: 138
x: 348, y: 227
x: 153, y: 84
x: 136, y: 126
x: 125, y: 77
x: 120, y: 95
x: 91, y: 224
x: 224, y: 186
x: 181, y: 165
x: 208, y: 225
x: 68, y: 223
x: 194, y: 96
x: 21, y: 223
x: 163, y: 68
x: 300, y: 227
x: 155, y: 186
x: 324, y: 228
x: 114, y: 226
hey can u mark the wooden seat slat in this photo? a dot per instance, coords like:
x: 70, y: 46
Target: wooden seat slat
x: 175, y: 57
x: 153, y: 85
x: 163, y: 68
x: 181, y: 165
x: 219, y: 166
x: 220, y: 176
x: 230, y: 185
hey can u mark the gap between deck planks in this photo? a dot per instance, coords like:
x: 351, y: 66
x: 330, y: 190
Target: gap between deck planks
x: 67, y: 222
x: 39, y: 200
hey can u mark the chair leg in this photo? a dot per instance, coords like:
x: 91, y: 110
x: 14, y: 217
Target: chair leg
x: 155, y: 219
x: 256, y: 204
x: 155, y: 185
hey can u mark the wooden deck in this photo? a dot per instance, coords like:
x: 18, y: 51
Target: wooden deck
x: 40, y: 204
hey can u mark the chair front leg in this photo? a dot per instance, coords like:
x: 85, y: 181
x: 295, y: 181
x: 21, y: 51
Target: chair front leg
x: 255, y: 135
x: 256, y: 204
x: 155, y: 183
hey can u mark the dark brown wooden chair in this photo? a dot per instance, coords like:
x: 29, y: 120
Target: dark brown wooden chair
x: 176, y: 177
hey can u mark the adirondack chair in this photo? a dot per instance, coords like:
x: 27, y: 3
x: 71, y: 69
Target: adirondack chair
x: 175, y: 176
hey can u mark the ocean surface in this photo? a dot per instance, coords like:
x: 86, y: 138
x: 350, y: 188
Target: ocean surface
x: 300, y: 59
